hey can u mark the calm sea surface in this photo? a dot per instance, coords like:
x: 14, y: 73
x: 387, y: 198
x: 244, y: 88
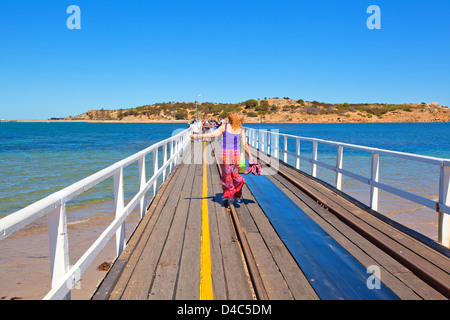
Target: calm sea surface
x: 37, y: 159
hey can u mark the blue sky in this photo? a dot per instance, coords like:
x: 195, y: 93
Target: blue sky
x: 132, y: 53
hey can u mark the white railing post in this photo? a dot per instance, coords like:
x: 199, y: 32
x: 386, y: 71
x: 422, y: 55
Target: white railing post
x: 277, y: 145
x: 339, y: 156
x: 178, y: 150
x: 262, y: 141
x: 253, y: 138
x: 171, y: 155
x: 269, y: 141
x: 119, y: 206
x: 247, y: 137
x: 314, y: 157
x: 374, y: 177
x: 181, y: 145
x: 175, y: 151
x: 59, y: 244
x: 257, y: 139
x: 285, y: 149
x: 142, y: 183
x: 297, y: 152
x: 155, y: 169
x: 444, y: 198
x: 165, y: 160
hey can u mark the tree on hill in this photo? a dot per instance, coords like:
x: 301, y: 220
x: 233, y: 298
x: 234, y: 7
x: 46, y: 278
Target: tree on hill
x: 250, y: 104
x: 181, y: 114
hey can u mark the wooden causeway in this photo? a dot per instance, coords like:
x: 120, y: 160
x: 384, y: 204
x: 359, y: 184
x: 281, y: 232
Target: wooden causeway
x: 247, y: 258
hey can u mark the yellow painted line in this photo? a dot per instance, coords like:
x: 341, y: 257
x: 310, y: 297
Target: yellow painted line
x: 206, y: 291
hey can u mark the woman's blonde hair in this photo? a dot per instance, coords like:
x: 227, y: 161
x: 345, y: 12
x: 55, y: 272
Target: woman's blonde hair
x: 235, y: 120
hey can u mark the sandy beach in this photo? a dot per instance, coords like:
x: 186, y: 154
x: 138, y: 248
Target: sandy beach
x: 25, y: 264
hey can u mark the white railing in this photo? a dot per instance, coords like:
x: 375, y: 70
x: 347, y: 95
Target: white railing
x: 63, y: 277
x: 268, y: 141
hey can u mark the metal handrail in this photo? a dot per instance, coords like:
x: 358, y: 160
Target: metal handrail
x: 63, y: 277
x: 263, y: 140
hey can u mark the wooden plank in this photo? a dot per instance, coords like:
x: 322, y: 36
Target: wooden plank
x: 249, y: 262
x: 405, y: 241
x: 159, y: 200
x: 217, y: 269
x: 246, y: 219
x: 151, y: 266
x: 197, y: 152
x: 138, y: 241
x: 273, y: 280
x: 108, y: 284
x: 140, y: 281
x: 365, y: 252
x: 301, y: 289
x: 163, y: 287
x: 295, y: 279
x: 188, y: 284
x: 257, y: 283
x: 332, y: 271
x: 237, y: 281
x: 417, y: 250
x: 103, y: 292
x: 380, y: 229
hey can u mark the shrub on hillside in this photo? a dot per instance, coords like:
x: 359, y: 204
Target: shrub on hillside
x: 249, y: 104
x: 181, y: 114
x: 310, y: 110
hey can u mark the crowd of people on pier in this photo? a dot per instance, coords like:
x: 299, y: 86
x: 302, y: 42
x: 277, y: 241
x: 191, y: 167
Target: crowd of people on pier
x: 205, y: 125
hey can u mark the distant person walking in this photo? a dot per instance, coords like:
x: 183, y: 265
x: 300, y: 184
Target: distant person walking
x: 231, y: 180
x: 196, y: 127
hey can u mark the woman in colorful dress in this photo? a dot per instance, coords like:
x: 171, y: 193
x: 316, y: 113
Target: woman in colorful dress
x: 230, y: 152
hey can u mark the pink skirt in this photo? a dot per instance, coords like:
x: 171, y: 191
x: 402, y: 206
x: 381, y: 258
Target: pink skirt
x: 231, y: 180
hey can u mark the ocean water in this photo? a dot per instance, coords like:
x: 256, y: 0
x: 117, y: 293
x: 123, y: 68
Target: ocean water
x: 39, y: 158
x: 430, y: 139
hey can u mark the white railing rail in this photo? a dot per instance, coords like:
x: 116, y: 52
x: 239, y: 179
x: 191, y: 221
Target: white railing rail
x: 268, y: 141
x: 63, y: 276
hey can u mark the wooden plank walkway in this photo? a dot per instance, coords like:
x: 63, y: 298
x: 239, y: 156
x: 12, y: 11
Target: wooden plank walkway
x: 322, y: 203
x: 249, y: 260
x: 162, y: 258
